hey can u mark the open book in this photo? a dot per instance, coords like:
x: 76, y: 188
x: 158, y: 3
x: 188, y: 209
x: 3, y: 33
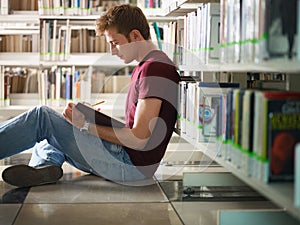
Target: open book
x: 94, y: 116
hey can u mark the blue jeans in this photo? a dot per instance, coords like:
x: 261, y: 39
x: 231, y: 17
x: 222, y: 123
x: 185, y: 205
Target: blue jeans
x: 55, y: 141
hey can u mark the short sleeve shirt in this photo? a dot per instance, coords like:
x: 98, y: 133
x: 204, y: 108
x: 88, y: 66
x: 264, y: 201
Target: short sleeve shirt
x: 155, y: 77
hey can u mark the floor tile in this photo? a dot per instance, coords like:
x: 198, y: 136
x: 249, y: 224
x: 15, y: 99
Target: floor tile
x: 8, y: 213
x: 92, y: 189
x: 206, y: 213
x: 95, y: 214
x: 175, y: 191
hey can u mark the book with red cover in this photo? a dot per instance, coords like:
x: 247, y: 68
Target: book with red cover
x: 97, y: 117
x: 283, y: 133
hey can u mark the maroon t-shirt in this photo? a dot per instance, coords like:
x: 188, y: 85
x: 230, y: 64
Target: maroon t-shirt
x: 156, y: 77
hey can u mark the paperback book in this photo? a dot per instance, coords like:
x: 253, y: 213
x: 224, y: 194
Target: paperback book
x: 283, y: 133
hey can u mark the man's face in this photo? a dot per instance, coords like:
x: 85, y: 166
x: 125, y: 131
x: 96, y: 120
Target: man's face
x: 120, y: 45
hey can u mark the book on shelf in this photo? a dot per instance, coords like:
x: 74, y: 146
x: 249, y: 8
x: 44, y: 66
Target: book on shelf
x: 297, y: 176
x: 4, y: 7
x: 269, y: 84
x: 55, y: 40
x: 264, y: 29
x: 68, y: 8
x: 247, y: 132
x: 182, y: 107
x: 211, y: 97
x: 152, y: 4
x: 212, y: 50
x: 230, y: 41
x: 19, y: 43
x: 158, y: 36
x: 200, y: 40
x: 283, y: 133
x: 94, y: 116
x: 248, y: 30
x: 281, y: 28
x: 274, y: 115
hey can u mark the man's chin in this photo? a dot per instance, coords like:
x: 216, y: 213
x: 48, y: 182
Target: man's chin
x: 127, y: 61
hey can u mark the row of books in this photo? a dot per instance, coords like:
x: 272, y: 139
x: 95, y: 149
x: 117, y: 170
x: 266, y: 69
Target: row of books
x: 19, y: 43
x: 61, y: 84
x: 17, y: 80
x: 200, y: 38
x: 59, y: 39
x: 56, y: 85
x: 200, y: 109
x: 20, y: 80
x: 259, y: 129
x: 194, y: 39
x: 265, y: 132
x: 74, y: 7
x: 264, y: 29
x: 84, y: 40
x: 7, y: 6
x: 144, y: 4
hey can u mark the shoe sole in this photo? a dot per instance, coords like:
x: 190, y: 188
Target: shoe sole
x: 26, y: 176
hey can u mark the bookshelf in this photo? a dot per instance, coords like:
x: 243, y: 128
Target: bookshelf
x: 18, y: 24
x: 193, y: 63
x: 27, y: 21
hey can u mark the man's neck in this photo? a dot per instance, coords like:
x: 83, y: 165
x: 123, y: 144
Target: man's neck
x: 145, y: 48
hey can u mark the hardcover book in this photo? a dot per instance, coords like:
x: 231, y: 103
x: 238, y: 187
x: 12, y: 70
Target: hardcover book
x: 97, y: 117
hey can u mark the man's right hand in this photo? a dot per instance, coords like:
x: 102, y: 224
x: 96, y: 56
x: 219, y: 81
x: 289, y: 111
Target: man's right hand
x: 68, y: 111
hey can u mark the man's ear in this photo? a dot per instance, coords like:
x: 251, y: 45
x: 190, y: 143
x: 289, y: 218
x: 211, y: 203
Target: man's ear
x: 135, y: 35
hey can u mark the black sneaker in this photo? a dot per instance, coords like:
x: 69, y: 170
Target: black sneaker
x: 26, y: 176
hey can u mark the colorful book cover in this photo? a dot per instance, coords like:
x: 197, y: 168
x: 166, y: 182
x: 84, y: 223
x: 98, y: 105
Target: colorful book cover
x: 283, y: 133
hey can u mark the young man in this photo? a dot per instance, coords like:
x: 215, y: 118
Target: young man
x: 126, y: 155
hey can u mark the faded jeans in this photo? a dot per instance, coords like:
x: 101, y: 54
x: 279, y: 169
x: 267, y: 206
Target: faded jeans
x: 54, y: 141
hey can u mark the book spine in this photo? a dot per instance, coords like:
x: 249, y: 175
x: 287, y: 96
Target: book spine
x: 298, y: 32
x: 69, y: 84
x: 2, y: 86
x: 297, y: 176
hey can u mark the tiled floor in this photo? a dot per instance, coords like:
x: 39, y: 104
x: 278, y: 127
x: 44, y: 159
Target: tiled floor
x: 83, y: 199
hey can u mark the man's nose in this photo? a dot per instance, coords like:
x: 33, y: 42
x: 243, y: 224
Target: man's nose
x: 114, y: 51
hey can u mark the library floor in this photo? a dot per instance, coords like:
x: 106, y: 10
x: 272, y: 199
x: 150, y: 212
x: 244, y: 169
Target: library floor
x: 84, y: 199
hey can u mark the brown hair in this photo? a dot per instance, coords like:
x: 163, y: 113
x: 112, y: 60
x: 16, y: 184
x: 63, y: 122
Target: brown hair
x: 124, y: 18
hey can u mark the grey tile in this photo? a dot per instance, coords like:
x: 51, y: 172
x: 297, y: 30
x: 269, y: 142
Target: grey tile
x: 175, y: 191
x: 89, y: 188
x: 92, y: 214
x: 206, y: 213
x: 8, y: 213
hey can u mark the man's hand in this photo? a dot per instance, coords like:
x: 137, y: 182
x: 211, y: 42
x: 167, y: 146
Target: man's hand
x: 73, y: 116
